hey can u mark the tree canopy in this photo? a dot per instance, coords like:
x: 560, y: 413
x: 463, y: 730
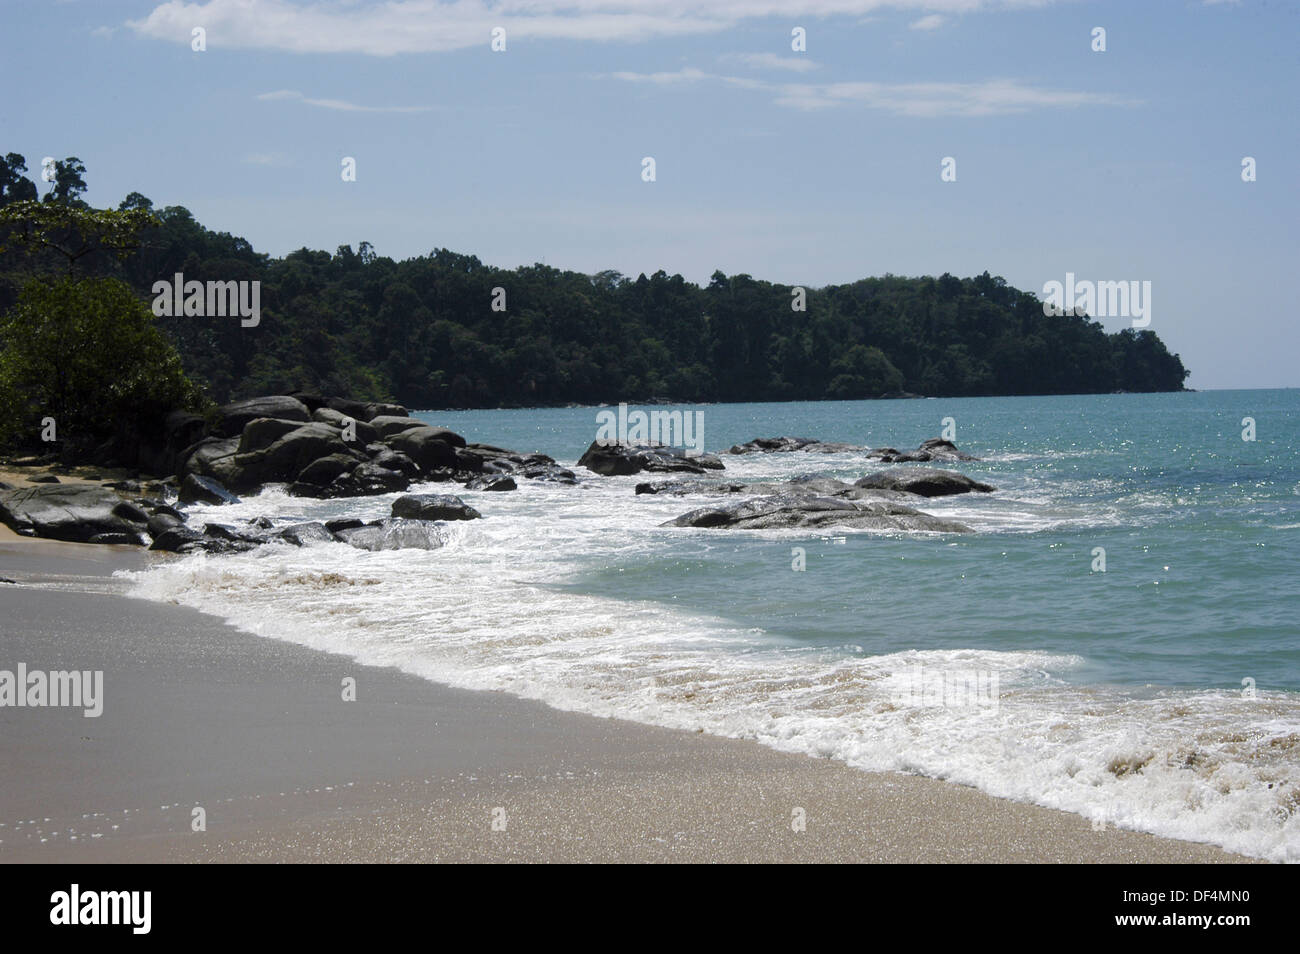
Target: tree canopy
x: 423, y: 331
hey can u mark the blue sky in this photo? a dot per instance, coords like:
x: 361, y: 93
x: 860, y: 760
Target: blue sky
x: 800, y: 167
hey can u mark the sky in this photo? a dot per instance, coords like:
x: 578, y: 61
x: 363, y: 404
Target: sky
x: 808, y: 167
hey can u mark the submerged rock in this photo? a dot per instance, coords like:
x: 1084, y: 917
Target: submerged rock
x: 611, y: 460
x: 396, y: 533
x: 925, y: 481
x: 936, y: 448
x: 785, y: 511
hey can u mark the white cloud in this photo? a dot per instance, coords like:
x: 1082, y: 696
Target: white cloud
x: 931, y: 22
x: 927, y: 100
x: 339, y: 104
x: 423, y: 26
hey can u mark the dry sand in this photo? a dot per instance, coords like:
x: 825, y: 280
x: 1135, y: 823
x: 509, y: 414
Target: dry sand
x: 255, y: 732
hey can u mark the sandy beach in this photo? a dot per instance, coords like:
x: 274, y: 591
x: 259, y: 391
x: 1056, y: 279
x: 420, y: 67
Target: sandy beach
x: 256, y: 733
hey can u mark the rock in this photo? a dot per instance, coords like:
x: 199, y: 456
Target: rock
x: 304, y: 534
x: 367, y: 479
x: 767, y: 445
x: 360, y: 411
x: 44, y: 479
x: 343, y: 523
x: 211, y: 457
x: 396, y: 534
x: 621, y: 459
x: 387, y: 424
x: 261, y: 432
x: 234, y: 416
x: 785, y: 511
x: 173, y: 538
x: 285, y: 458
x: 196, y: 489
x: 134, y: 539
x: 366, y: 433
x: 160, y: 522
x: 323, y: 470
x: 262, y: 523
x: 496, y: 482
x: 224, y: 531
x: 680, y: 488
x: 73, y: 512
x: 936, y: 448
x: 429, y: 447
x: 433, y: 507
x: 378, y: 409
x: 313, y: 402
x: 925, y: 481
x: 815, y: 485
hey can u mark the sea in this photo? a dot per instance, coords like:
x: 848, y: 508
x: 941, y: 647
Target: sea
x: 1119, y: 637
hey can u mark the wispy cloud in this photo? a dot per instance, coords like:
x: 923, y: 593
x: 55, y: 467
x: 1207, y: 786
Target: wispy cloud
x: 389, y: 27
x: 931, y: 22
x: 770, y: 61
x: 986, y: 98
x: 339, y: 104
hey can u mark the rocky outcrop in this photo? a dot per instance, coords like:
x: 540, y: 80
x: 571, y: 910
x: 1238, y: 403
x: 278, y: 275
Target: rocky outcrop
x: 80, y: 513
x: 611, y: 460
x: 816, y: 485
x: 924, y: 481
x: 934, y: 449
x: 786, y: 511
x: 807, y: 445
x: 234, y: 416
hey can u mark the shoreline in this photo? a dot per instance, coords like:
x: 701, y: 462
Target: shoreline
x: 255, y: 731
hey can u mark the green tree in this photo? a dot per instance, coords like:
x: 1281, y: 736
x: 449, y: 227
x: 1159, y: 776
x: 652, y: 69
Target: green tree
x: 88, y: 354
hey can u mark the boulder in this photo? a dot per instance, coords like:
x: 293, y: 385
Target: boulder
x: 323, y: 470
x: 174, y: 538
x: 160, y: 522
x: 925, y: 481
x: 784, y: 511
x: 73, y: 512
x: 433, y: 507
x: 232, y: 417
x: 387, y: 425
x: 196, y: 489
x: 429, y: 447
x: 610, y: 459
x: 493, y: 482
x: 366, y: 433
x: 305, y: 534
x: 396, y: 534
x: 936, y: 448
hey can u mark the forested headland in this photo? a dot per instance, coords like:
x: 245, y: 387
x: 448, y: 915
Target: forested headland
x: 423, y: 331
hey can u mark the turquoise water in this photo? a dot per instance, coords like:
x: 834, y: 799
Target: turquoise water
x: 1161, y: 695
x: 1201, y: 531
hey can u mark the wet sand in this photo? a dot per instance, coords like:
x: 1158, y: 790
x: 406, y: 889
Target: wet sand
x: 256, y: 733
